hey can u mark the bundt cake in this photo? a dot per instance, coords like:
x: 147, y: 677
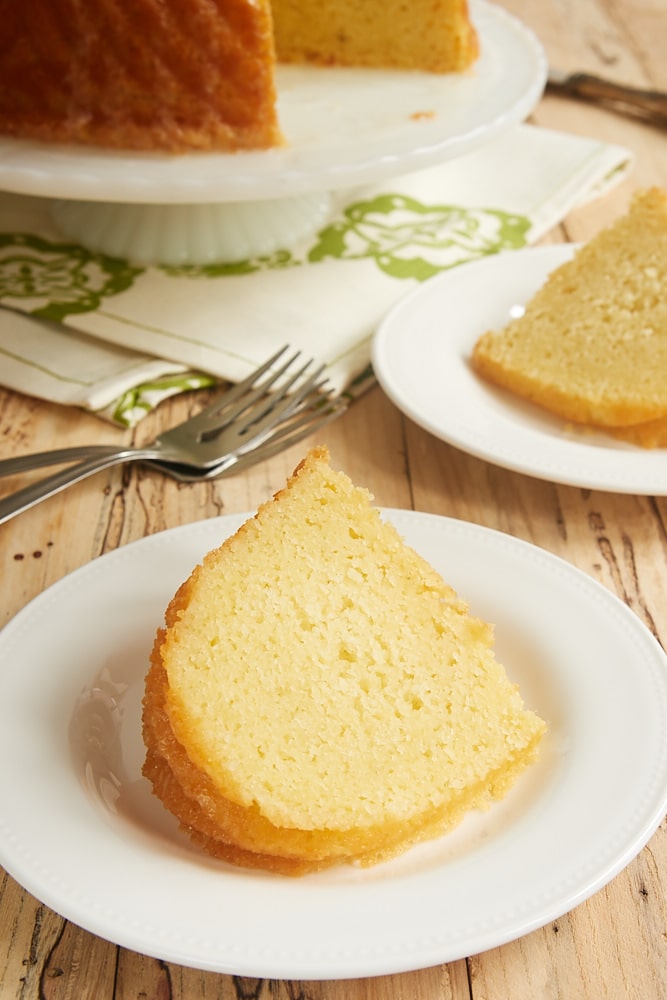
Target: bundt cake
x: 319, y: 694
x: 179, y: 75
x: 591, y: 346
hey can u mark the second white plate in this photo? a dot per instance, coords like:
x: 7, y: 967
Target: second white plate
x: 421, y: 356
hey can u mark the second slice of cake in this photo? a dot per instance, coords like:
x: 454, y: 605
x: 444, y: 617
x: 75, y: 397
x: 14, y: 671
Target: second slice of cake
x: 591, y: 346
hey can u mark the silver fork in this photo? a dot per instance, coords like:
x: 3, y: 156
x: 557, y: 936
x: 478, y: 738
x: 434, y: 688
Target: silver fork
x: 274, y: 410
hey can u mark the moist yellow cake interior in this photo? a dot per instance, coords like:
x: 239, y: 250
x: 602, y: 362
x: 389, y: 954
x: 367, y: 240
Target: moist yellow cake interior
x: 435, y: 37
x: 328, y: 695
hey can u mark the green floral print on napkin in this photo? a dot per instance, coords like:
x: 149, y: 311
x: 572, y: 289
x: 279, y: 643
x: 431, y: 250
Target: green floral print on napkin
x: 278, y: 260
x: 408, y: 239
x: 404, y: 237
x: 129, y: 408
x: 54, y: 280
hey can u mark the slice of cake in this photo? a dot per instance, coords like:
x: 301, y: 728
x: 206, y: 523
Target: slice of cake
x: 319, y: 694
x: 591, y: 346
x: 182, y: 75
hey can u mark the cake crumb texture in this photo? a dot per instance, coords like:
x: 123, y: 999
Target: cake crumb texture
x: 435, y: 37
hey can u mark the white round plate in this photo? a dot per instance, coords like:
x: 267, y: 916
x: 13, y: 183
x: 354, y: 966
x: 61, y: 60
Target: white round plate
x: 343, y: 127
x: 421, y: 356
x: 80, y: 829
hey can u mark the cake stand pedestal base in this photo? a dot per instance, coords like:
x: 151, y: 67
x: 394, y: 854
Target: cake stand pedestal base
x: 196, y: 234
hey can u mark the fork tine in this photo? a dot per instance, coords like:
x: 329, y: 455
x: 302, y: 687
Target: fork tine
x: 280, y: 405
x: 308, y: 419
x: 259, y: 409
x: 284, y: 436
x: 234, y: 392
x: 233, y: 405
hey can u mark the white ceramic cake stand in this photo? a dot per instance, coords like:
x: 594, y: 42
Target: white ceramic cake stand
x: 344, y: 127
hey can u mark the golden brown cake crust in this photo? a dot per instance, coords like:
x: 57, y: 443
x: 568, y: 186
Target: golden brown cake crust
x: 187, y: 75
x: 229, y: 832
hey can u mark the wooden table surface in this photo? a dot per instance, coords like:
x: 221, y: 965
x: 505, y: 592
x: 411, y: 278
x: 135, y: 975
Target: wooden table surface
x: 615, y: 944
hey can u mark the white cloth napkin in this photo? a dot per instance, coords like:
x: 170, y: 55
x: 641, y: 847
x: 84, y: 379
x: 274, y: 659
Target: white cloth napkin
x: 119, y: 338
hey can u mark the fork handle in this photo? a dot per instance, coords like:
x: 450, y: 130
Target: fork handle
x: 651, y: 105
x: 56, y: 456
x: 17, y: 502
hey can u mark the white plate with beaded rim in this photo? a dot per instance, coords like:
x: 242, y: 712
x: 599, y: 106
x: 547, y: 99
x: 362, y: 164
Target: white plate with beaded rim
x: 81, y: 830
x: 421, y: 356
